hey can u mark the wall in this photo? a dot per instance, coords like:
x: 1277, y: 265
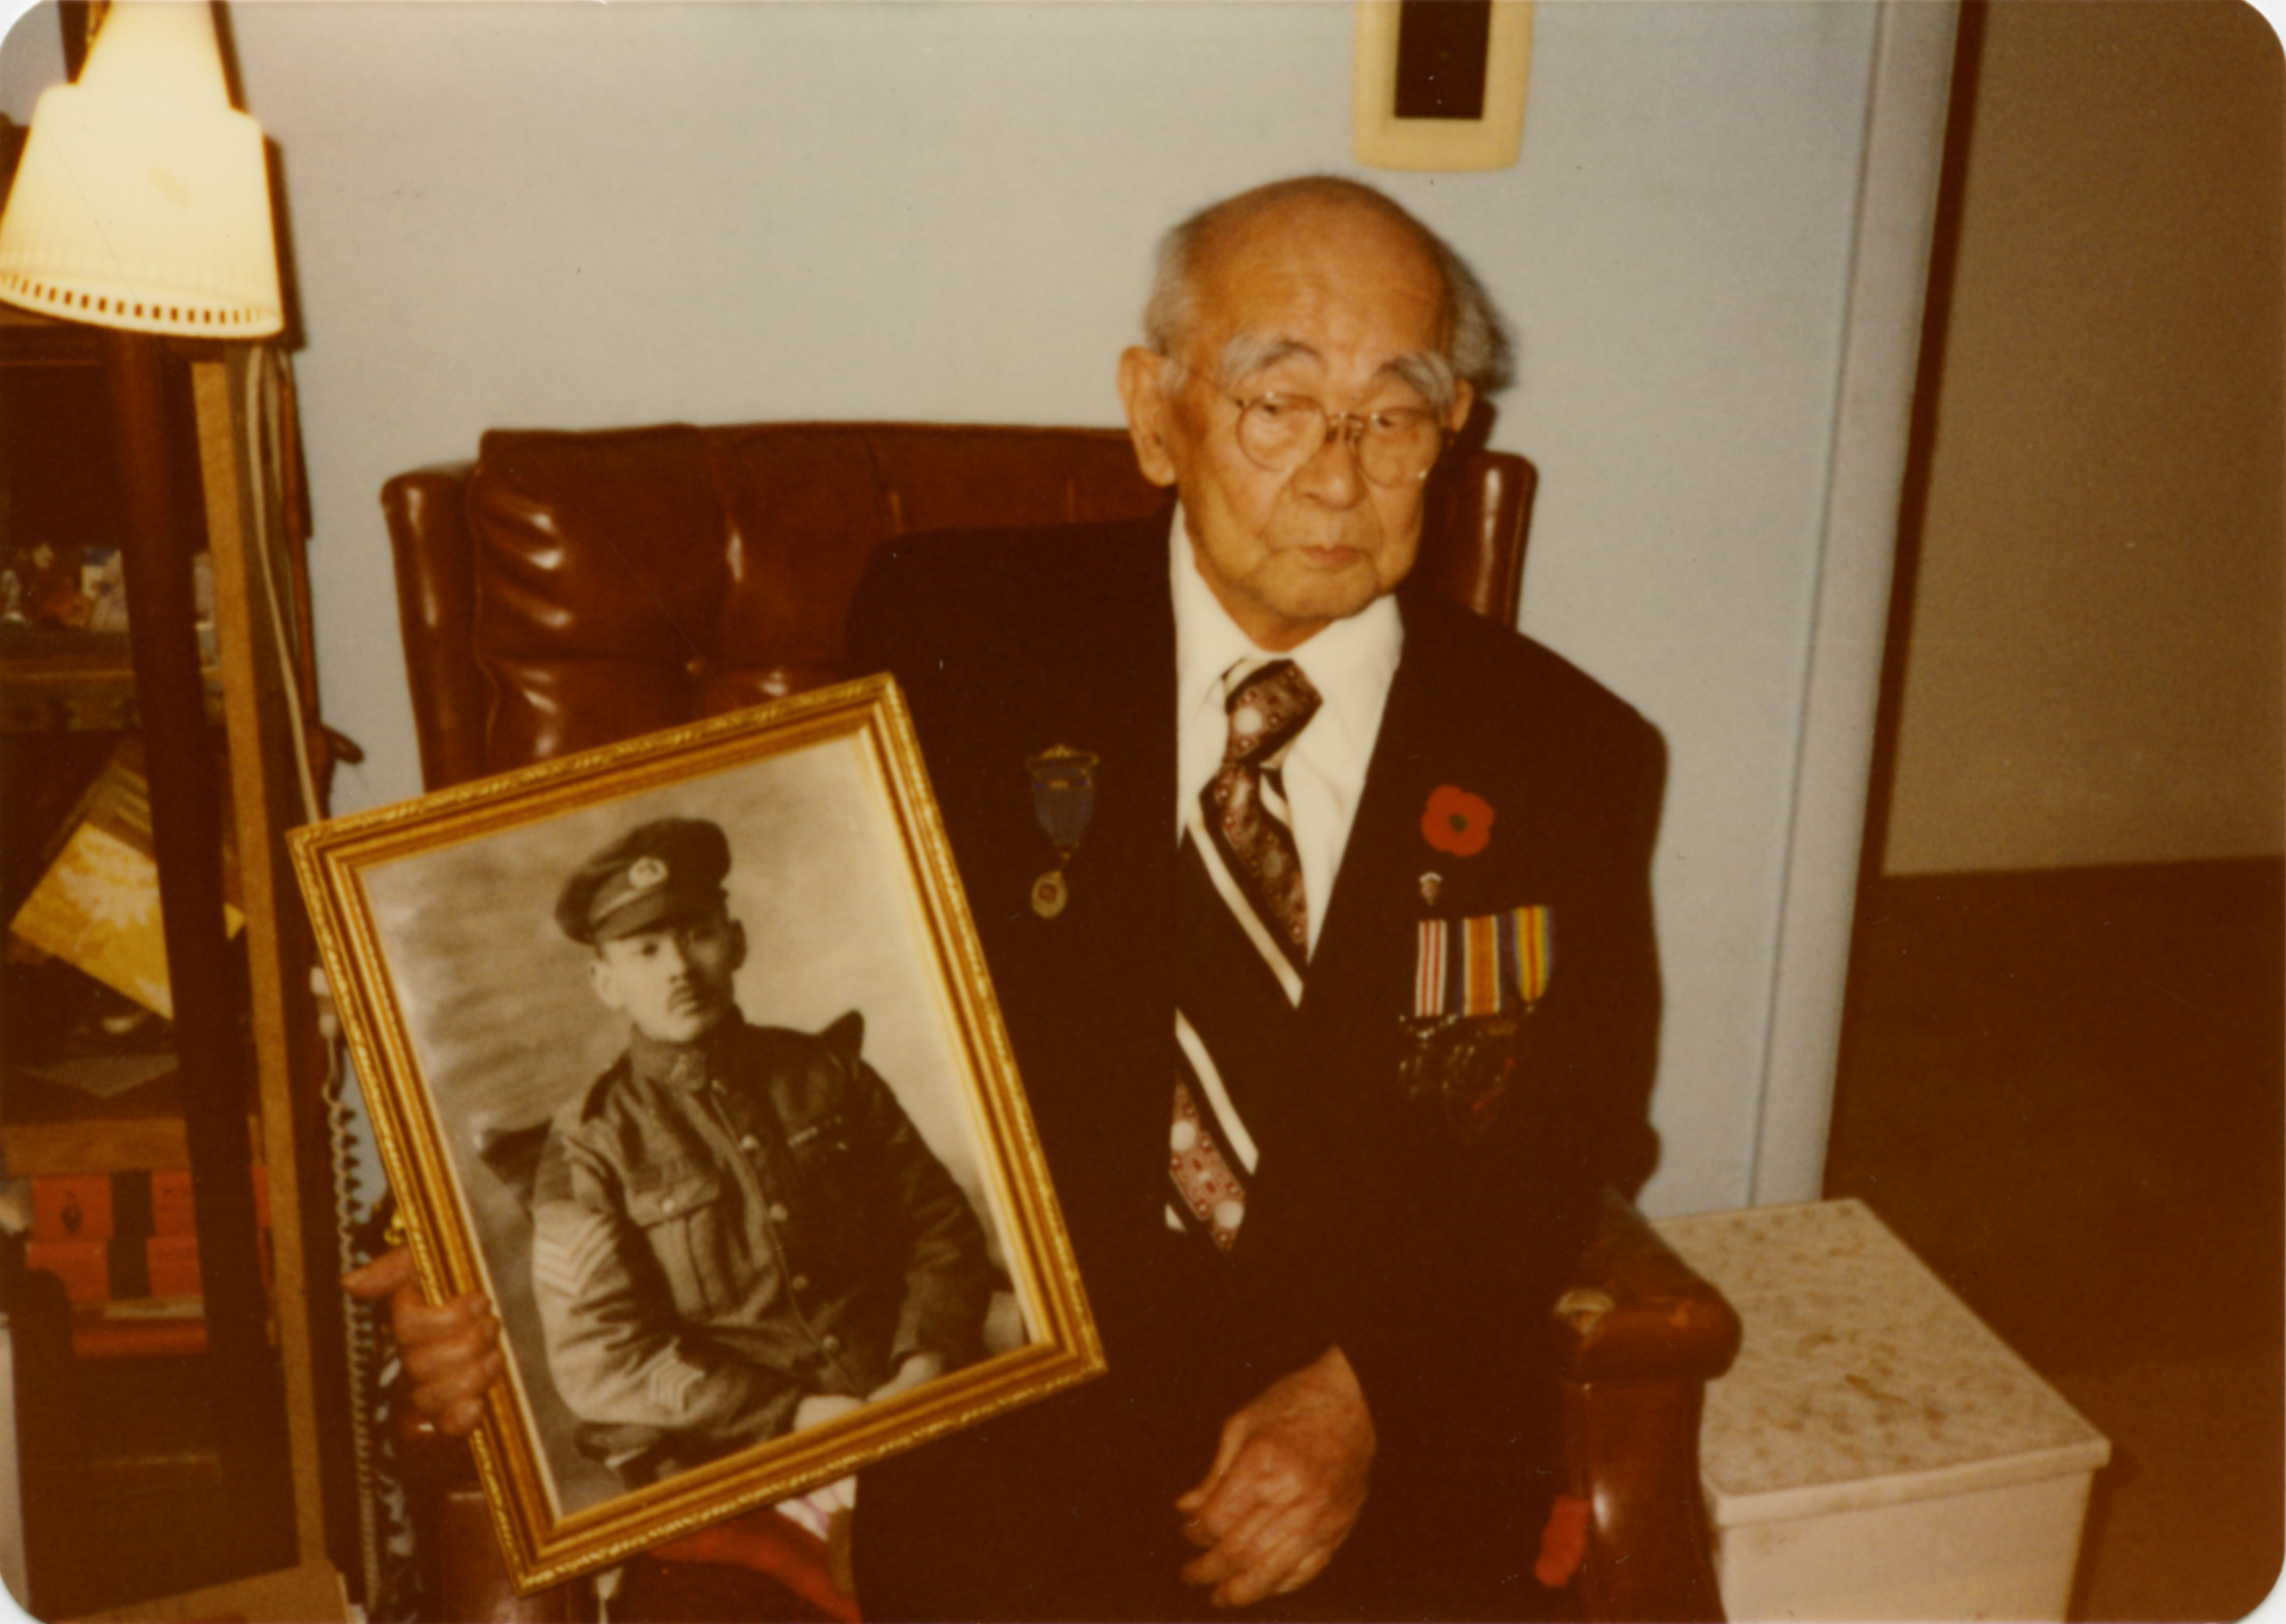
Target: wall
x: 581, y: 215
x: 2094, y: 672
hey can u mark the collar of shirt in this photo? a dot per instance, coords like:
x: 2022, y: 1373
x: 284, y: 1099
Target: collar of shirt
x: 685, y: 1065
x: 1351, y: 663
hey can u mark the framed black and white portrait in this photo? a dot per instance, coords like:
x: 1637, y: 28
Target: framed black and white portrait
x: 683, y: 1052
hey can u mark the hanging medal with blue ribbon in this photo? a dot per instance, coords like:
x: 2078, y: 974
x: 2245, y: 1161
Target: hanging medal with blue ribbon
x: 1063, y: 799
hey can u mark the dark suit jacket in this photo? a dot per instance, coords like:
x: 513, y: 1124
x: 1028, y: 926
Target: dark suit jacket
x: 1430, y: 1259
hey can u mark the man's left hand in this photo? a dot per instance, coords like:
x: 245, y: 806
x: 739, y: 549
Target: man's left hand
x: 1286, y: 1487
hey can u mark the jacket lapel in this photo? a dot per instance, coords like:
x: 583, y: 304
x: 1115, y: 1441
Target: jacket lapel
x: 1378, y: 892
x: 1123, y: 660
x: 1101, y: 986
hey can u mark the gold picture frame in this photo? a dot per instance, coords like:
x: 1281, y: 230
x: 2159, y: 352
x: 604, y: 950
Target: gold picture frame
x: 436, y: 919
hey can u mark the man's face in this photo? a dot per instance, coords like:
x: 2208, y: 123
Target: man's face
x: 673, y: 980
x: 1329, y: 298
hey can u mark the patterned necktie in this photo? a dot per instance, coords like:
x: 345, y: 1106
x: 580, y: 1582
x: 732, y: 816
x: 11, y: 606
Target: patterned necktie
x: 1242, y: 919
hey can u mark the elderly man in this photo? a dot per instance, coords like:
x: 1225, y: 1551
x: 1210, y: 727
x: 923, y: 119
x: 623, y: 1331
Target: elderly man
x: 1319, y: 916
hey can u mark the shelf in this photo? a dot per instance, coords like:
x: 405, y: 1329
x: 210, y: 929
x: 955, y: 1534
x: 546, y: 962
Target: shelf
x: 246, y: 1033
x: 54, y: 1131
x: 139, y: 1328
x: 94, y: 1144
x: 78, y: 696
x: 80, y: 681
x: 51, y: 1129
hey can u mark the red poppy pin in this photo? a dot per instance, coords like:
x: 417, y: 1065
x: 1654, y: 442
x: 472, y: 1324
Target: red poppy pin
x: 1457, y: 821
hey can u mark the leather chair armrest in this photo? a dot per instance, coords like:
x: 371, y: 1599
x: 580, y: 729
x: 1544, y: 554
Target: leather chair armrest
x: 1638, y: 1336
x: 1634, y: 1309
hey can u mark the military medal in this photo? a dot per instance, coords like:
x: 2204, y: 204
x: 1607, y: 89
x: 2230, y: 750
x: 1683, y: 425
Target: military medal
x: 1063, y: 799
x: 1475, y: 980
x: 1487, y: 965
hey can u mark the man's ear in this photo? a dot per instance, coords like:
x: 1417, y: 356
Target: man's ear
x: 604, y: 983
x: 1464, y: 401
x: 737, y: 946
x: 1142, y: 380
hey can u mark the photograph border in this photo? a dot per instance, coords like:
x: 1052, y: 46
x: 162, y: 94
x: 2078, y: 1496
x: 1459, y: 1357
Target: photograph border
x: 541, y: 1547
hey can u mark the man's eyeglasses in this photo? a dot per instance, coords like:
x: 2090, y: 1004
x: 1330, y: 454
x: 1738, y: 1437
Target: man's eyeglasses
x: 1395, y: 446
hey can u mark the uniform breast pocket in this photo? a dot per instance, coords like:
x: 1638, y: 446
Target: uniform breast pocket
x: 681, y: 1211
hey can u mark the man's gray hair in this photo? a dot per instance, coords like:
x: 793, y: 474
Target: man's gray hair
x: 1476, y: 339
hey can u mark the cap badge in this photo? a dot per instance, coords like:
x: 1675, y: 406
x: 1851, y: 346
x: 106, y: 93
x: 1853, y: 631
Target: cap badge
x: 645, y: 873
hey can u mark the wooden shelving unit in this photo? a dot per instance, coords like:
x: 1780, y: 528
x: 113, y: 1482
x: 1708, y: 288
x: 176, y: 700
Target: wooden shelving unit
x: 67, y: 697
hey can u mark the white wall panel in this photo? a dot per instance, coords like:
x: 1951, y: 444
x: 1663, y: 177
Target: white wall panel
x: 558, y: 215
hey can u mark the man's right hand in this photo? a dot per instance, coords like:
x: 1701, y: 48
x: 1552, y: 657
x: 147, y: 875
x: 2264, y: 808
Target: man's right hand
x: 451, y: 1351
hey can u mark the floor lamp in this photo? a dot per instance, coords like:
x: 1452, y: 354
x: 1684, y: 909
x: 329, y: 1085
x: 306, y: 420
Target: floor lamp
x: 141, y: 206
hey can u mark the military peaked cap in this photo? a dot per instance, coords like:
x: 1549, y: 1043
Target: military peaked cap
x: 658, y: 871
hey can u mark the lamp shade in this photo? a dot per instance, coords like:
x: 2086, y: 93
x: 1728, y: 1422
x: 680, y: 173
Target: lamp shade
x: 142, y: 200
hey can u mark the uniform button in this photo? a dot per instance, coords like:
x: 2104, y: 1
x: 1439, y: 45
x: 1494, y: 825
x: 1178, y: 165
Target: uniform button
x: 800, y: 1282
x: 751, y: 1145
x: 832, y: 1345
x: 778, y: 1213
x: 668, y: 1205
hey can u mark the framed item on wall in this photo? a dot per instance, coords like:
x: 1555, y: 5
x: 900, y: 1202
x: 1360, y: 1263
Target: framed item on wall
x: 683, y: 1050
x: 1441, y: 83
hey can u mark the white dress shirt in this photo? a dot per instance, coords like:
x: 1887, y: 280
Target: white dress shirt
x: 1350, y: 663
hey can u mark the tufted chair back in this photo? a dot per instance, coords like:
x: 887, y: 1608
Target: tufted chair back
x: 572, y: 588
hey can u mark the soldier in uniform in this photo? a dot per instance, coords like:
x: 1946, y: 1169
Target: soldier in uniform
x: 737, y: 1231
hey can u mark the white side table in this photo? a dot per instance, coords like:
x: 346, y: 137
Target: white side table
x: 1876, y: 1452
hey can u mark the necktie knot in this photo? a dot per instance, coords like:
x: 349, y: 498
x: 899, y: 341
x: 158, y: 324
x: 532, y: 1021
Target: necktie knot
x: 1268, y: 704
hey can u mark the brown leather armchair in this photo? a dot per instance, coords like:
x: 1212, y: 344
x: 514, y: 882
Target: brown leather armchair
x: 571, y: 588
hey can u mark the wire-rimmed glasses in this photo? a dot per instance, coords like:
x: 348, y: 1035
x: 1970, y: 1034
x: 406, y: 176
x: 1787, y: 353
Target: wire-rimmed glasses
x: 1394, y: 446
